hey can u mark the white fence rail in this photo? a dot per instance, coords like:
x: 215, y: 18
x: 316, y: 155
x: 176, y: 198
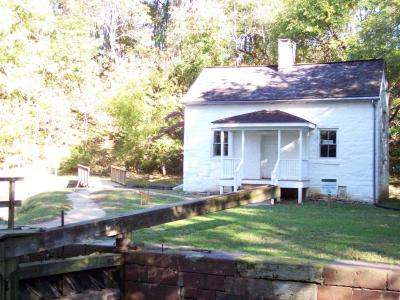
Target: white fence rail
x: 286, y: 169
x: 229, y: 166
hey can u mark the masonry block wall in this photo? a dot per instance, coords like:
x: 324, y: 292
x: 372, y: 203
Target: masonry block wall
x: 352, y: 168
x: 196, y: 275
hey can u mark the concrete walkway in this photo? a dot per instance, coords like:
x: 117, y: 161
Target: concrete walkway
x: 83, y: 209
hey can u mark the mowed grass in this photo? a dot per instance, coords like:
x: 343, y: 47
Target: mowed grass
x: 394, y: 195
x: 153, y: 180
x: 114, y: 201
x: 311, y: 233
x: 42, y: 207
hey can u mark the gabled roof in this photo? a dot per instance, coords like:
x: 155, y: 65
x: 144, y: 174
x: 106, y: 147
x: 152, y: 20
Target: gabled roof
x: 262, y: 116
x: 352, y: 79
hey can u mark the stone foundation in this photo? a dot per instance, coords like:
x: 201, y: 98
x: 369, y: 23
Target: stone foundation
x: 217, y: 275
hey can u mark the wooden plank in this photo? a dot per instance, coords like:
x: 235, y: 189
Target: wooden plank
x: 68, y: 265
x: 11, y: 205
x: 72, y: 233
x: 11, y: 178
x: 6, y: 203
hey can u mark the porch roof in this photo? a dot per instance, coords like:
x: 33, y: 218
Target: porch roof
x: 265, y: 118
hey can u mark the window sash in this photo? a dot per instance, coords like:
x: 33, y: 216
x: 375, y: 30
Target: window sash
x: 217, y: 143
x: 328, y: 143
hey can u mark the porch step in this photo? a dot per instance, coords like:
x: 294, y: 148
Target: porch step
x: 251, y: 186
x: 256, y: 181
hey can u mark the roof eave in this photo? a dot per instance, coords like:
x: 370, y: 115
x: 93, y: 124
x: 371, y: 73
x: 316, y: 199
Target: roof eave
x: 264, y: 125
x: 368, y: 98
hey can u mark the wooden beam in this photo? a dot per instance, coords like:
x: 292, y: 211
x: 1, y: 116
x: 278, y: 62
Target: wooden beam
x: 68, y: 265
x: 51, y: 238
x: 7, y: 203
x: 11, y: 178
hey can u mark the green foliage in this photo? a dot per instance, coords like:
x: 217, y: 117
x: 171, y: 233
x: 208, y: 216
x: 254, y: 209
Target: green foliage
x: 77, y: 74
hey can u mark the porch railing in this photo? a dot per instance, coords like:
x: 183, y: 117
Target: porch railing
x: 289, y: 169
x: 229, y: 166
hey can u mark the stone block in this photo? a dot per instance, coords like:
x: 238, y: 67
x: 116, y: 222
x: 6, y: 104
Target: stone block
x: 209, y: 265
x: 293, y: 290
x: 394, y: 279
x: 152, y: 258
x: 194, y: 280
x: 354, y: 274
x: 360, y: 294
x: 226, y: 296
x: 145, y: 291
x: 215, y: 282
x: 334, y: 293
x: 198, y: 294
x: 162, y: 275
x: 135, y: 272
x: 280, y: 271
x: 248, y: 287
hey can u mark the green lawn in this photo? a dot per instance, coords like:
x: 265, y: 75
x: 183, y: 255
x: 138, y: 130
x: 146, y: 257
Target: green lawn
x: 42, y: 207
x: 114, y: 201
x: 309, y: 233
x: 153, y: 180
x: 394, y: 195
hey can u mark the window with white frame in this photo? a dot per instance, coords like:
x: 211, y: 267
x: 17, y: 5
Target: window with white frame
x: 327, y: 143
x: 217, y: 143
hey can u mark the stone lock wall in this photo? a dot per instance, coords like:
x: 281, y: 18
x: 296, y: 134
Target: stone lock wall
x: 217, y: 275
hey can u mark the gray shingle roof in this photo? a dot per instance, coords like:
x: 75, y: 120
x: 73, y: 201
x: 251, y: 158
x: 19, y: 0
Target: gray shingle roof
x: 352, y: 79
x: 262, y: 116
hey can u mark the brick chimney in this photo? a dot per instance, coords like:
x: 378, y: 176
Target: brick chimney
x: 286, y: 54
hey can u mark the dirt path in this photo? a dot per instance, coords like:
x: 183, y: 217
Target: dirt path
x: 83, y: 209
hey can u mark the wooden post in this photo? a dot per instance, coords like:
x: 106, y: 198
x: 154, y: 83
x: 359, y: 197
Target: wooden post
x: 11, y: 207
x: 122, y: 241
x: 62, y: 218
x: 11, y: 204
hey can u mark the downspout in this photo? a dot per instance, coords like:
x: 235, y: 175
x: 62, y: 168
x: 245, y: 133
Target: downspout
x: 374, y: 151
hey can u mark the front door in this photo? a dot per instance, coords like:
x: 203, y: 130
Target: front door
x: 269, y: 153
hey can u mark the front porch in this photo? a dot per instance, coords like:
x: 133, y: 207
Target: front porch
x: 263, y: 153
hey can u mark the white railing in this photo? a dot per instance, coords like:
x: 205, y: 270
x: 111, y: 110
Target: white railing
x: 266, y: 168
x: 289, y: 169
x: 238, y: 176
x: 274, y: 173
x: 229, y: 166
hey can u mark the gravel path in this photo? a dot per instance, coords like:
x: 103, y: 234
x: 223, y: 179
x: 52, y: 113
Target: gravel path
x: 83, y: 209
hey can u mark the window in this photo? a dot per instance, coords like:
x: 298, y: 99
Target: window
x: 217, y: 143
x: 327, y: 143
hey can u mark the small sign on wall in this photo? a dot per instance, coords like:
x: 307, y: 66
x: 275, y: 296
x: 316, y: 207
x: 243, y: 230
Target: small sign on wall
x: 329, y: 186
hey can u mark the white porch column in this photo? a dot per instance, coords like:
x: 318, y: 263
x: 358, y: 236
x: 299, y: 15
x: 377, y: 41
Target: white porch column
x: 300, y: 154
x: 299, y: 195
x: 242, y: 158
x: 278, y: 199
x: 300, y: 190
x: 222, y: 148
x: 279, y: 144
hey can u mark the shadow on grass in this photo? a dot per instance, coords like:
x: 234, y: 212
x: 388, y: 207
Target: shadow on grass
x: 312, y: 232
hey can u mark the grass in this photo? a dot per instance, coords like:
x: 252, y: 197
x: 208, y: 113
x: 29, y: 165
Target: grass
x: 153, y: 180
x: 114, y: 202
x: 313, y: 233
x: 42, y: 207
x: 394, y: 195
